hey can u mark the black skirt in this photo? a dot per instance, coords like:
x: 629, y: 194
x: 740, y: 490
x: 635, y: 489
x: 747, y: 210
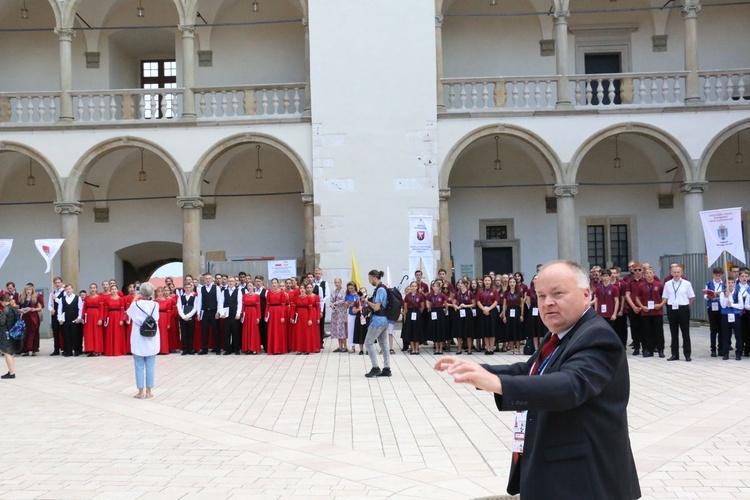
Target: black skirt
x: 463, y: 327
x: 360, y: 330
x: 412, y: 330
x: 438, y: 325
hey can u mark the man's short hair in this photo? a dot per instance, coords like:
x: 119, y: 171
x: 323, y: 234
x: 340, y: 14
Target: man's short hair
x: 582, y: 276
x: 717, y: 270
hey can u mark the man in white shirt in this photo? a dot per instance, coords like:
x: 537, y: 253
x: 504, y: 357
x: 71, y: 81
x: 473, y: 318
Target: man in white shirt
x: 680, y: 295
x: 52, y: 303
x: 230, y: 308
x: 69, y: 314
x: 320, y: 287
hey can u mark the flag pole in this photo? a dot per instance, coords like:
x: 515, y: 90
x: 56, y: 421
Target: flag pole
x: 724, y: 257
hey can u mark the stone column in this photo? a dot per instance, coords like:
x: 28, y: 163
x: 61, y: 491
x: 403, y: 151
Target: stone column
x: 191, y: 233
x: 693, y: 194
x: 444, y: 232
x: 188, y: 69
x: 690, y: 15
x: 439, y: 59
x: 561, y: 15
x: 306, y: 111
x: 65, y: 42
x: 69, y: 212
x: 307, y: 200
x: 566, y: 221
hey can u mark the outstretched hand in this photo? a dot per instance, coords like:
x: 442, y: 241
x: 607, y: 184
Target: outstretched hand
x: 464, y: 371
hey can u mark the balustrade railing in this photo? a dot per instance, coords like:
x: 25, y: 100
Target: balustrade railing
x: 36, y: 107
x: 472, y: 94
x: 725, y: 86
x: 134, y: 104
x: 626, y: 89
x: 250, y: 101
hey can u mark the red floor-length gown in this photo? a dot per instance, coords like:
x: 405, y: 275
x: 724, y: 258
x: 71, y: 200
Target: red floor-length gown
x: 128, y: 299
x: 292, y: 296
x: 32, y: 320
x: 93, y: 332
x: 300, y: 310
x: 310, y: 341
x: 114, y: 332
x: 250, y: 329
x: 175, y: 343
x: 165, y: 316
x: 277, y: 307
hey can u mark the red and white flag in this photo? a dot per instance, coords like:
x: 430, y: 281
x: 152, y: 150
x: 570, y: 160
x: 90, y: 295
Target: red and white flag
x: 48, y: 249
x: 5, y: 246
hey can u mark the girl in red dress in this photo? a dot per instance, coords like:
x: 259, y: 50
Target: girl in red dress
x: 128, y: 324
x: 310, y: 342
x: 292, y: 291
x: 277, y: 302
x: 30, y: 305
x: 93, y: 312
x: 165, y: 319
x: 300, y: 318
x: 250, y: 321
x: 114, y: 324
x: 174, y: 321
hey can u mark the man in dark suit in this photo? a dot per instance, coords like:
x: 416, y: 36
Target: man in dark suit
x: 260, y: 289
x: 571, y: 395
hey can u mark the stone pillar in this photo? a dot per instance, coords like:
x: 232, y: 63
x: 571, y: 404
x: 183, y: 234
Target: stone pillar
x: 444, y: 232
x: 439, y: 59
x: 690, y: 15
x: 191, y: 233
x: 566, y: 221
x: 65, y: 38
x: 561, y: 15
x: 188, y: 69
x: 306, y: 111
x: 307, y: 200
x: 69, y: 212
x: 693, y: 194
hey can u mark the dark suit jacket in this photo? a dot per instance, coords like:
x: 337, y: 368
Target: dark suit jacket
x: 577, y: 444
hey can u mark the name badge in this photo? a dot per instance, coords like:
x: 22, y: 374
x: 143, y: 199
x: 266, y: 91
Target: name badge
x: 730, y: 318
x: 512, y: 313
x: 433, y: 315
x: 462, y: 313
x: 715, y: 306
x: 675, y: 307
x: 535, y: 311
x: 604, y: 308
x: 474, y: 312
x: 498, y: 308
x: 519, y: 431
x: 650, y: 305
x: 414, y: 316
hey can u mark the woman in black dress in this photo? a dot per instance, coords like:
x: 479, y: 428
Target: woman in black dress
x: 362, y: 320
x: 535, y: 325
x: 8, y: 346
x: 412, y: 332
x: 437, y: 316
x: 463, y: 316
x: 487, y: 315
x: 513, y: 302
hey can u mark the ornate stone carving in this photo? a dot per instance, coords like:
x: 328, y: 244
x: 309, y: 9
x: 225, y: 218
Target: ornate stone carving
x: 187, y: 30
x: 439, y: 21
x: 68, y: 208
x: 65, y: 33
x: 565, y: 190
x: 694, y: 187
x: 307, y: 198
x: 190, y: 202
x: 445, y: 194
x: 690, y: 10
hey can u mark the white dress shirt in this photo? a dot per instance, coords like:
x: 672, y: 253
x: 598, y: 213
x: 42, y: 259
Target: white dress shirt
x: 678, y: 292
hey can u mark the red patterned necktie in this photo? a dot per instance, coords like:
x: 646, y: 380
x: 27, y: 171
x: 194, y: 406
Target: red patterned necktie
x: 547, y: 349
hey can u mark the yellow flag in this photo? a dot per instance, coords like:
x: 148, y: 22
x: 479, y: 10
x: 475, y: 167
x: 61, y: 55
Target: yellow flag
x: 355, y: 272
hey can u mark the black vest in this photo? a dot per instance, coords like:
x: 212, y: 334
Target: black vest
x: 208, y: 299
x: 70, y: 310
x: 187, y: 305
x: 231, y: 299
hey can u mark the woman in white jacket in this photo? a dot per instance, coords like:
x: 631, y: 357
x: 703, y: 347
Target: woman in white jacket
x: 144, y: 348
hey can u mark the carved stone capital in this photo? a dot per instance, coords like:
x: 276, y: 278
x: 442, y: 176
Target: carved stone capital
x: 566, y: 190
x: 445, y: 194
x: 694, y: 187
x: 305, y: 22
x: 190, y: 202
x: 690, y: 10
x: 561, y: 16
x: 68, y: 208
x: 187, y: 30
x: 66, y: 34
x: 307, y: 198
x: 439, y: 21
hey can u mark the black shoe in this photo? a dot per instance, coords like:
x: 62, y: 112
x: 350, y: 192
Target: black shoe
x: 226, y: 353
x: 661, y: 354
x: 687, y: 358
x: 184, y: 353
x: 636, y: 352
x: 713, y: 353
x: 725, y: 357
x: 373, y: 373
x: 648, y: 354
x: 386, y: 372
x: 738, y: 356
x: 721, y: 353
x: 674, y: 358
x: 55, y: 353
x: 76, y: 354
x: 66, y: 355
x: 13, y: 375
x: 203, y: 352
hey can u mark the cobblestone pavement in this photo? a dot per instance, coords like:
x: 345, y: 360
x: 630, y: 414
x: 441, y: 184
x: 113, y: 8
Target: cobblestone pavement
x: 282, y: 427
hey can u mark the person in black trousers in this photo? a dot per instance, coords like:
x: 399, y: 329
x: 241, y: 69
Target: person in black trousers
x: 230, y: 304
x: 54, y: 302
x: 209, y: 301
x: 69, y: 314
x: 261, y: 290
x: 186, y: 309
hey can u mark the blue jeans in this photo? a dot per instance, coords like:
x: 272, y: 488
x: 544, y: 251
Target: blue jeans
x: 378, y: 333
x: 146, y: 363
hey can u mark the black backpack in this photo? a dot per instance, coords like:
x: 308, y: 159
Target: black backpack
x: 392, y: 308
x: 149, y: 326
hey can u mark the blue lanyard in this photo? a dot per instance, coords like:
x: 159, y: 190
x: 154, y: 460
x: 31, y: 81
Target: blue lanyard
x: 543, y: 364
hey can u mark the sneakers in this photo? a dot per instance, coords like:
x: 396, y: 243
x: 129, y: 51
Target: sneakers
x: 13, y: 375
x: 386, y: 372
x: 374, y: 372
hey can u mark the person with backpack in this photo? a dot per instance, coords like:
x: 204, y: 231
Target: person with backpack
x: 144, y: 340
x: 8, y: 345
x: 378, y: 326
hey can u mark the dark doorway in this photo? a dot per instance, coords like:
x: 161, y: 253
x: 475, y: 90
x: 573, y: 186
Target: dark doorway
x: 595, y: 64
x: 497, y: 259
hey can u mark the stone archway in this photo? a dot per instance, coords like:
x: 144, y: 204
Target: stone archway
x: 137, y: 262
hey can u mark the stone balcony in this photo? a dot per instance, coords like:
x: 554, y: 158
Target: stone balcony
x: 99, y: 107
x: 612, y: 92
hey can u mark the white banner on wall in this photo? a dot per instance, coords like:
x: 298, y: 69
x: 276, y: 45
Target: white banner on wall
x: 723, y: 231
x: 5, y: 246
x: 48, y: 249
x: 281, y: 269
x: 421, y: 251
